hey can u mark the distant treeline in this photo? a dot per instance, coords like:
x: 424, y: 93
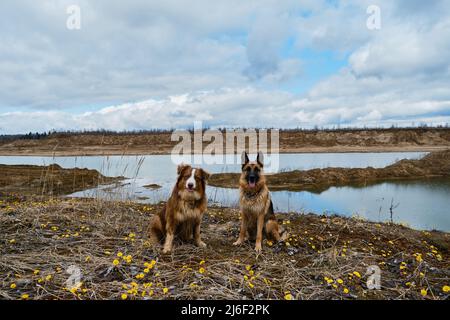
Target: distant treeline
x: 56, y: 134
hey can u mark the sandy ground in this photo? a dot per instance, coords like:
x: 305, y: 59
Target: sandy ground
x: 88, y: 144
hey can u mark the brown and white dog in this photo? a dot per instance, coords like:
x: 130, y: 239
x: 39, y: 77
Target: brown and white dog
x: 183, y: 212
x: 257, y: 216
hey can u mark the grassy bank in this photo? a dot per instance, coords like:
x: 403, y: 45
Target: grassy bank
x: 324, y: 257
x: 49, y: 180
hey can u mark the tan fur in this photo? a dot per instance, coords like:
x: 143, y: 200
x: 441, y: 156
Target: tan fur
x: 256, y: 209
x: 182, y: 215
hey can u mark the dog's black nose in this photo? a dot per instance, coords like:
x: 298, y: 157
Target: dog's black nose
x: 190, y: 185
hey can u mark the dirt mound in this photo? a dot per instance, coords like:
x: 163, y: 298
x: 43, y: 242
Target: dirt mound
x: 436, y: 164
x: 49, y: 180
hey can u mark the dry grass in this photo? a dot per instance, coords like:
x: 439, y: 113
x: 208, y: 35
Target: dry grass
x: 40, y: 239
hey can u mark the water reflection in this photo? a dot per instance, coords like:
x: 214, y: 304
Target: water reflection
x: 422, y: 204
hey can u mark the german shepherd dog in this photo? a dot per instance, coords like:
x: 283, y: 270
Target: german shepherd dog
x: 183, y: 212
x: 256, y: 206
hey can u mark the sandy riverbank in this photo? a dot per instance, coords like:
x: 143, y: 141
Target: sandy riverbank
x: 290, y: 141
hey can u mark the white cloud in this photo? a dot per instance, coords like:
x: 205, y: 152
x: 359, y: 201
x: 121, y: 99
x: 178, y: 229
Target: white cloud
x: 166, y: 64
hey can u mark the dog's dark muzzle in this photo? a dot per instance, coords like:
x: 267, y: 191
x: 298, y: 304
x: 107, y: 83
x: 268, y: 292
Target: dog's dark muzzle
x: 252, y: 179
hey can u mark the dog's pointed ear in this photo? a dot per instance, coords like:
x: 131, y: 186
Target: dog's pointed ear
x: 244, y: 158
x: 205, y: 175
x: 260, y: 158
x: 182, y: 167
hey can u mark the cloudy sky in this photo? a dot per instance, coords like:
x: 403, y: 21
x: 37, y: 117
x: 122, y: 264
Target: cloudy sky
x: 164, y: 64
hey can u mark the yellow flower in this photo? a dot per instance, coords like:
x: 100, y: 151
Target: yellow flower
x: 146, y: 270
x: 193, y: 285
x: 25, y: 296
x: 201, y: 270
x: 248, y: 267
x: 446, y: 289
x: 288, y: 296
x: 36, y: 272
x: 345, y: 290
x: 13, y: 286
x: 251, y: 272
x: 356, y: 273
x: 202, y: 262
x: 48, y: 278
x: 12, y: 241
x: 251, y: 285
x: 165, y: 290
x: 328, y: 280
x: 124, y: 296
x: 116, y: 262
x: 340, y: 281
x: 423, y: 292
x: 419, y: 258
x: 119, y: 254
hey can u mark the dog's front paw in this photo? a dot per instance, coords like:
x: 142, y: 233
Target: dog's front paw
x: 166, y: 250
x: 237, y: 243
x: 258, y: 248
x: 201, y: 244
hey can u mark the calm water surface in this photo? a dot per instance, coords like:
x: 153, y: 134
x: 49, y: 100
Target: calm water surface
x: 421, y: 204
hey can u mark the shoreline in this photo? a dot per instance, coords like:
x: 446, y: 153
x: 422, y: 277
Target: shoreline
x: 143, y: 152
x: 433, y: 165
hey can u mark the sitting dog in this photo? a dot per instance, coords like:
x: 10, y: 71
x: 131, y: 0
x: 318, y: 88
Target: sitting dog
x: 183, y: 212
x: 256, y: 206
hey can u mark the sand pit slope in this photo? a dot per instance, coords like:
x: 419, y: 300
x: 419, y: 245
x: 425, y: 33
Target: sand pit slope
x: 436, y: 164
x: 159, y: 142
